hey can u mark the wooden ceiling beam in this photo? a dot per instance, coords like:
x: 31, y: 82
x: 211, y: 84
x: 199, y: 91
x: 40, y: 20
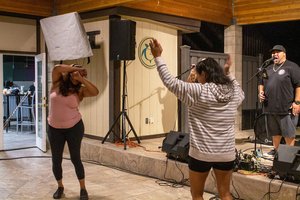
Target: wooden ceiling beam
x: 29, y: 7
x: 223, y: 12
x: 66, y: 6
x: 215, y: 11
x: 265, y: 11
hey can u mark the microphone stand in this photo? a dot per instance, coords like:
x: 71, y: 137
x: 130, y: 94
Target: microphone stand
x: 189, y: 69
x: 261, y: 73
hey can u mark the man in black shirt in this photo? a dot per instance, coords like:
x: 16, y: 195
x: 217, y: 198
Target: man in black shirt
x: 280, y: 93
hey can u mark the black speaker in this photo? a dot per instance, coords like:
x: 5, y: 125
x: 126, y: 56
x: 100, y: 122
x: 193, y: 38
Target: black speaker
x: 260, y: 130
x: 286, y: 162
x: 176, y: 145
x: 122, y: 39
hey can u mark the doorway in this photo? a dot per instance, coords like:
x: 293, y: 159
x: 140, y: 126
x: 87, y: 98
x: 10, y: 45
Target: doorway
x: 18, y: 101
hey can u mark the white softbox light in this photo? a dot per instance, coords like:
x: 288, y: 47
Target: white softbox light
x: 65, y: 37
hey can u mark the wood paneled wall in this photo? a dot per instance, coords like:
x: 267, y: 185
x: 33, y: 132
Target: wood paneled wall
x: 217, y: 11
x: 95, y: 110
x: 262, y: 11
x: 28, y: 7
x: 147, y: 96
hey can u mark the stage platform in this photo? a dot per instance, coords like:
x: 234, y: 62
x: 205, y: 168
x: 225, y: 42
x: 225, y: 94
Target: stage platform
x: 148, y: 159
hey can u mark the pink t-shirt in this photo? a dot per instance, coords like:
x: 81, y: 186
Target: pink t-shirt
x: 63, y: 112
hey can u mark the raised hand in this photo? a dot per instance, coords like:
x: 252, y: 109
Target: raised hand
x: 156, y: 48
x: 227, y: 65
x: 83, y: 72
x: 192, y: 78
x: 80, y: 69
x: 77, y: 76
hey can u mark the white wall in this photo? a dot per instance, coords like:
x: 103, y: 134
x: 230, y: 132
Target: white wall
x: 95, y: 110
x: 17, y: 34
x: 147, y: 96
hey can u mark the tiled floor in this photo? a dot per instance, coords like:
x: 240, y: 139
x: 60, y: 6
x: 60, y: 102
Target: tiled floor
x: 30, y: 177
x: 26, y: 174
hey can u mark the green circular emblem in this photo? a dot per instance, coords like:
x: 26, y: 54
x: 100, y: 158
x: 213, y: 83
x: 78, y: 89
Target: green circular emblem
x: 144, y: 53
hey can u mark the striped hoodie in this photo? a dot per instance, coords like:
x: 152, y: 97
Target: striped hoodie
x: 211, y: 114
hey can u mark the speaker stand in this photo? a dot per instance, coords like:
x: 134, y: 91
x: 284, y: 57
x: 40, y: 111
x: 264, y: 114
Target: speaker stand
x: 123, y: 115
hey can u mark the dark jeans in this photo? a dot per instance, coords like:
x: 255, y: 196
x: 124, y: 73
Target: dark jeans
x: 57, y: 138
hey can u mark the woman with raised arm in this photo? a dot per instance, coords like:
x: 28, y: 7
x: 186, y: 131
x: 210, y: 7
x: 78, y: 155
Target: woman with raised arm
x: 69, y: 87
x: 212, y: 97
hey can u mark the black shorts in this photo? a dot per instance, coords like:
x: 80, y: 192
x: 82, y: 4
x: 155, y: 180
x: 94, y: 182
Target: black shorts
x: 284, y: 125
x: 202, y: 166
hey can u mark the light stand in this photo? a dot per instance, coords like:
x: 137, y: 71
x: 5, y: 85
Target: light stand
x: 123, y: 115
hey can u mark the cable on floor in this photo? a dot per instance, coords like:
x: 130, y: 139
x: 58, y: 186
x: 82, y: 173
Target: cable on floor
x: 132, y: 144
x: 128, y: 143
x: 238, y: 195
x: 172, y: 182
x: 269, y: 190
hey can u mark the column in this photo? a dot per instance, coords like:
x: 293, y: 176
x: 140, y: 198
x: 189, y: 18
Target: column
x: 233, y: 39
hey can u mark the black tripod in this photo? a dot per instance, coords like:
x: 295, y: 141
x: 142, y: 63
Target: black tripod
x: 123, y: 115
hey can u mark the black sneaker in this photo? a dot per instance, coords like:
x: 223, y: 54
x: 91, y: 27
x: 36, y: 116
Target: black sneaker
x: 59, y: 193
x: 272, y: 152
x: 83, y: 194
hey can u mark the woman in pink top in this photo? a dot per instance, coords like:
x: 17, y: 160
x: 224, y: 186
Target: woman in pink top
x: 69, y: 87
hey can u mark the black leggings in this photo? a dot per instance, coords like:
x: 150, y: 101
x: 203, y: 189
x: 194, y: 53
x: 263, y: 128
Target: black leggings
x: 57, y: 139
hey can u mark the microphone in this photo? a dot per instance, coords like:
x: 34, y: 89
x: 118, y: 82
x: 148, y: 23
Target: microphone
x: 262, y: 68
x: 270, y: 60
x: 266, y: 63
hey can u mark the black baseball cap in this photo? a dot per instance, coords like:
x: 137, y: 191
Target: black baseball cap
x: 278, y: 48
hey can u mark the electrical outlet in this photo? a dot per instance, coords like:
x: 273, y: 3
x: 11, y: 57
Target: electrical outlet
x: 151, y: 120
x: 147, y: 120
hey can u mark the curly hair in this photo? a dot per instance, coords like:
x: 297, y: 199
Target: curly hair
x: 66, y: 86
x: 214, y: 72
